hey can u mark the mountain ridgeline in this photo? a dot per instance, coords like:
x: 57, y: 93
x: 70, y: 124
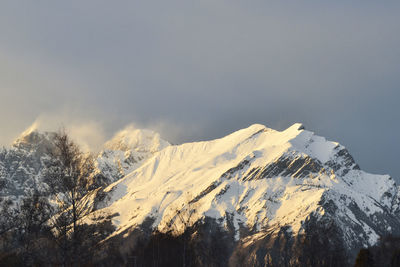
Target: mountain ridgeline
x: 257, y: 197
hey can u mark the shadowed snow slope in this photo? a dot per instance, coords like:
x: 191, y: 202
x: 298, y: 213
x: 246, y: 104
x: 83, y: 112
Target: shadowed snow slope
x: 257, y: 179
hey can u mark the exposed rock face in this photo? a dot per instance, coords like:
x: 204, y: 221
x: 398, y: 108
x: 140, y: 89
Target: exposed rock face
x: 288, y: 165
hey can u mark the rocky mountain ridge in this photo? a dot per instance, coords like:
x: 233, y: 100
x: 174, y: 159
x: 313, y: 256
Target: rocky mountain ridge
x: 256, y: 183
x: 277, y: 196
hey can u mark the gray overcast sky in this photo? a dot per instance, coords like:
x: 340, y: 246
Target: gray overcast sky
x: 197, y: 70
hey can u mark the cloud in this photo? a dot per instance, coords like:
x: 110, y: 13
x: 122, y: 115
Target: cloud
x: 88, y: 134
x: 91, y: 135
x: 200, y: 70
x: 172, y: 131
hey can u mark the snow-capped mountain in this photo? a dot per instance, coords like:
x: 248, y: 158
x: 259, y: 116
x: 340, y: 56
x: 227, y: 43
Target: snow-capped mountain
x: 128, y: 150
x: 277, y: 196
x: 272, y: 190
x: 22, y: 163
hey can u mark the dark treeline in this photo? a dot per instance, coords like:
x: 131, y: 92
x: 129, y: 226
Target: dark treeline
x: 385, y: 253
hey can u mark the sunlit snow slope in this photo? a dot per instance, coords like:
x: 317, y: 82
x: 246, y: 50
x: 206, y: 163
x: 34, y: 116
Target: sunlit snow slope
x: 257, y: 179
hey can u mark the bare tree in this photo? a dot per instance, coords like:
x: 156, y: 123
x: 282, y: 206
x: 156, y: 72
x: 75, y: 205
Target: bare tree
x: 68, y: 175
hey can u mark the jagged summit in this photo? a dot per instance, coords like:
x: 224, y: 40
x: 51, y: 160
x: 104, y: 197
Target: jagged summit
x: 297, y: 126
x: 32, y: 138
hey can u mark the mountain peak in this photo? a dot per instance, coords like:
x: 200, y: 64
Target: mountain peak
x: 128, y: 150
x: 141, y: 140
x: 296, y: 127
x: 32, y: 138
